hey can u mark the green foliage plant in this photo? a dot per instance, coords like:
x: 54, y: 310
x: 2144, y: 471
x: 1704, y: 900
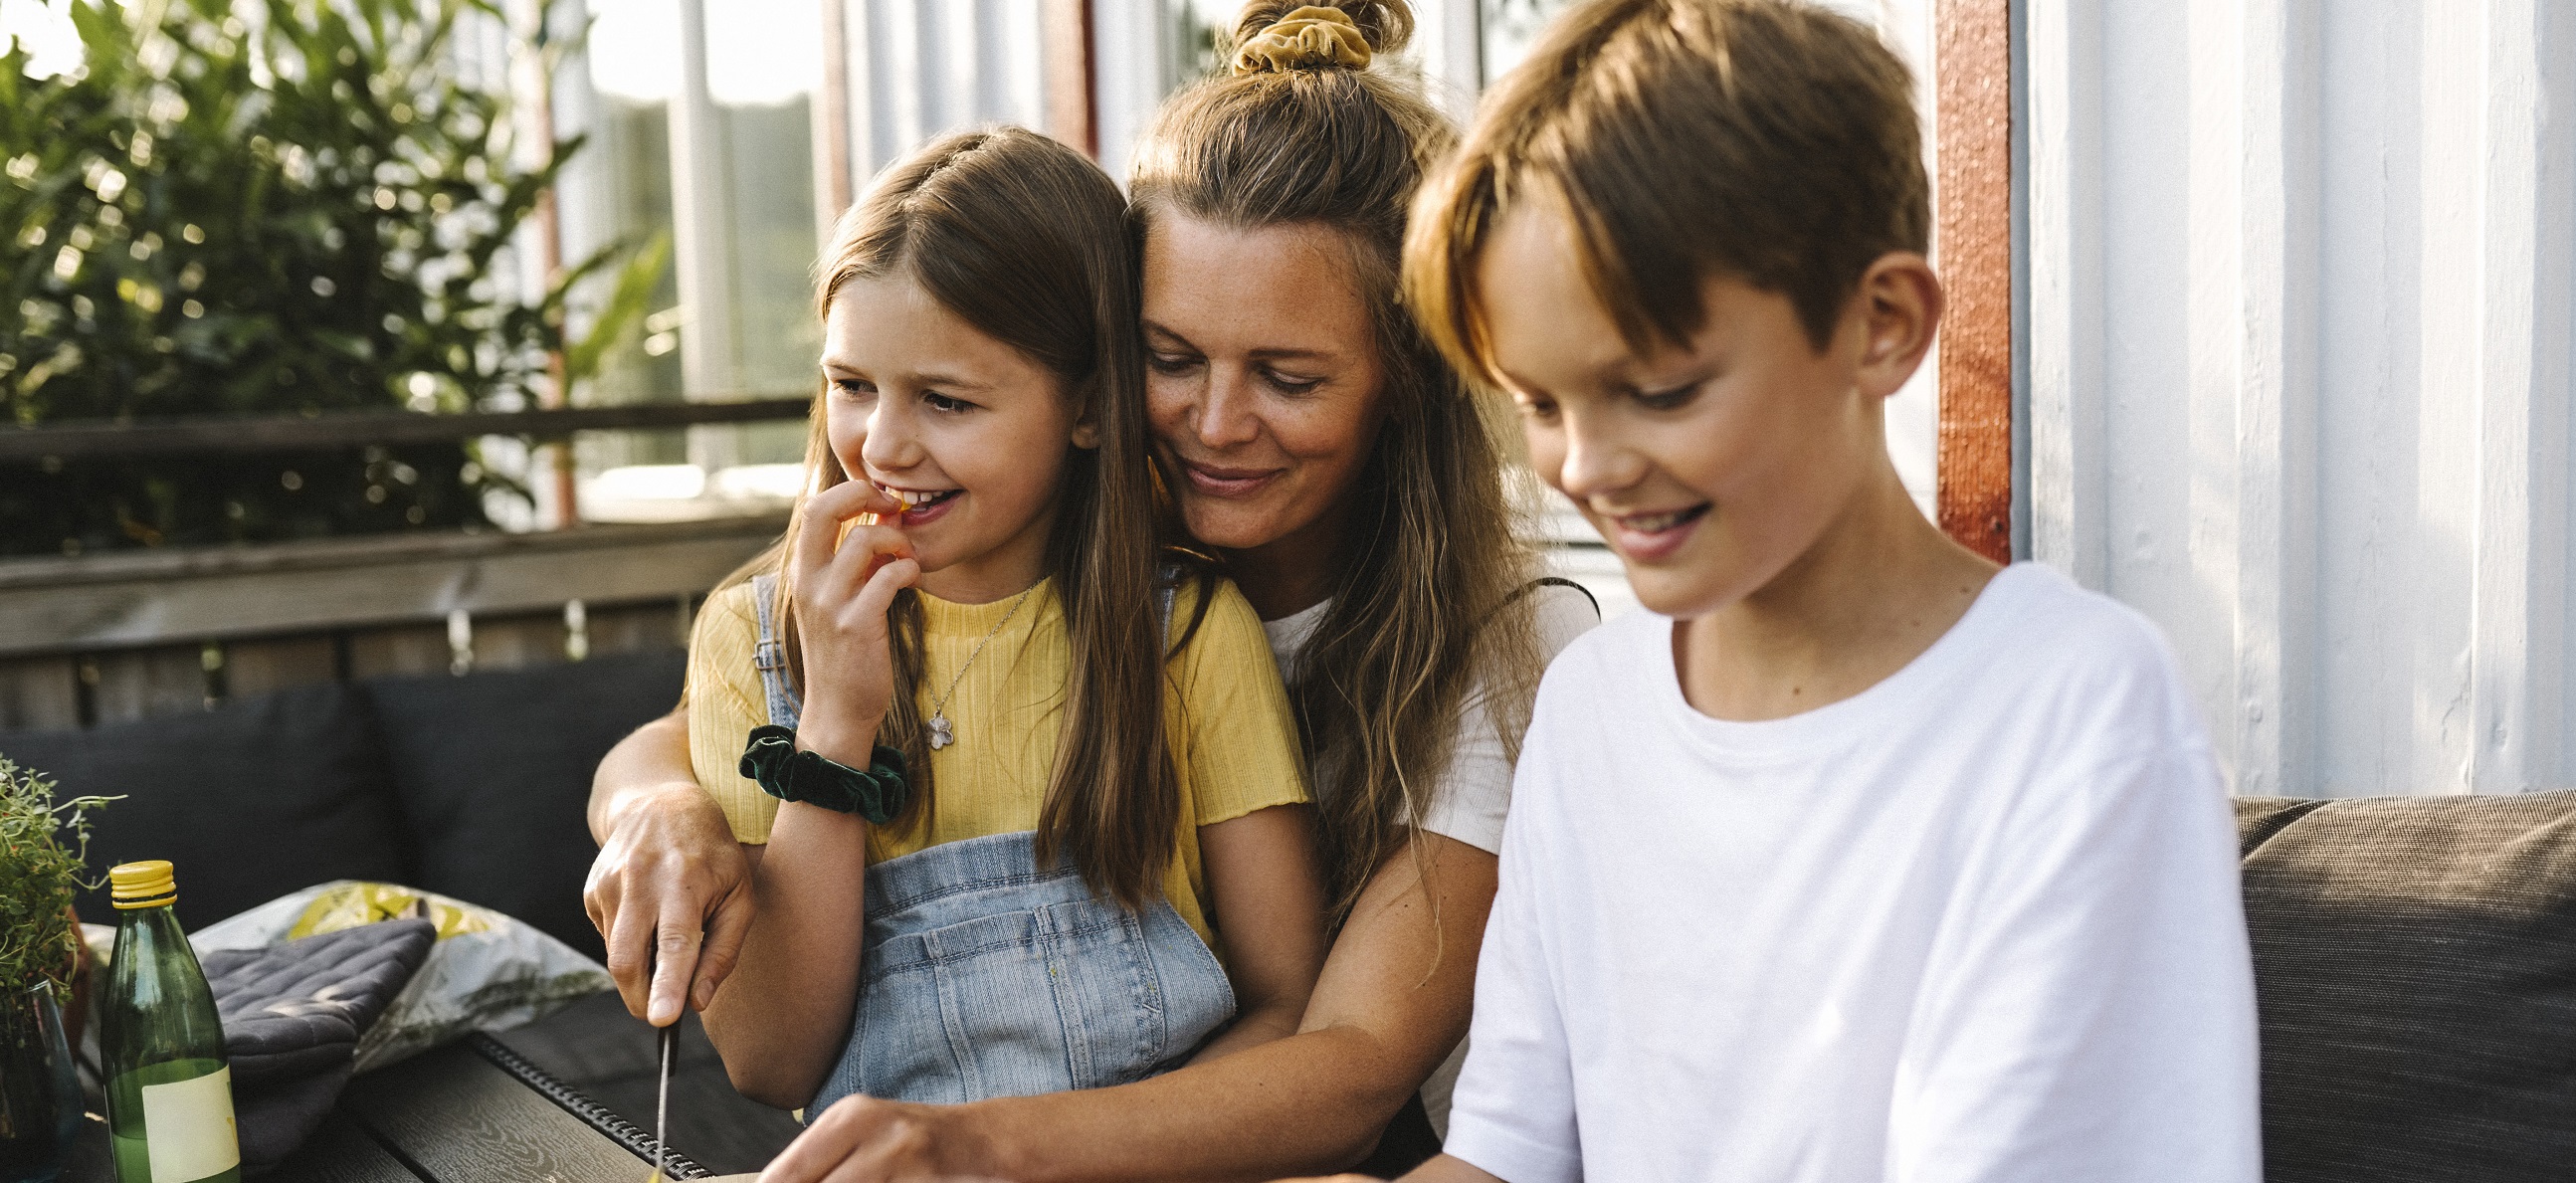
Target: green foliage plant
x: 42, y: 847
x: 260, y: 208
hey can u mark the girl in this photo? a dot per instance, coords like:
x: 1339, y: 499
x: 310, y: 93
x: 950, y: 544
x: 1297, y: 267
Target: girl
x: 1338, y: 465
x: 1058, y: 816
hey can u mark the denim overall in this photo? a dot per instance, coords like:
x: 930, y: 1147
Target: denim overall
x: 983, y: 974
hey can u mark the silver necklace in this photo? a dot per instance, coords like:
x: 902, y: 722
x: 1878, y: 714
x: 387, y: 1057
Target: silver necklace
x: 943, y: 732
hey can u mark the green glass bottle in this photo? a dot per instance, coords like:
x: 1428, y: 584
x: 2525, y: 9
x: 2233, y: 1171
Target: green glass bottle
x: 169, y: 1087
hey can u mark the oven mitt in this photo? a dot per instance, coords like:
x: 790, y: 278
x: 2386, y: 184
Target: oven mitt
x: 293, y: 1014
x: 488, y: 971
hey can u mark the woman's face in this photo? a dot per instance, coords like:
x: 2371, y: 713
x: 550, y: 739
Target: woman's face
x: 967, y: 428
x: 1263, y: 378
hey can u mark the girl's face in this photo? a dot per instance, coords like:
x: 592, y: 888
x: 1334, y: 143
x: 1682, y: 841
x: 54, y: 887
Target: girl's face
x: 972, y: 431
x: 1263, y: 378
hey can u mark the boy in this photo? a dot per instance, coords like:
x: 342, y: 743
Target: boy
x: 1855, y: 858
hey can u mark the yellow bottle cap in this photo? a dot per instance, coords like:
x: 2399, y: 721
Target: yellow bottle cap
x: 146, y: 884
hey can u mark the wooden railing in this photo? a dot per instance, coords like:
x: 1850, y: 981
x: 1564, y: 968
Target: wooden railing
x: 112, y: 637
x: 106, y: 638
x: 302, y: 433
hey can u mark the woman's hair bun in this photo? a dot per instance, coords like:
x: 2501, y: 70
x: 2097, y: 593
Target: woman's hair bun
x: 1283, y: 35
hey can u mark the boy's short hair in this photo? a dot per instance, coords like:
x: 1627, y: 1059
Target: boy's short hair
x: 1765, y: 140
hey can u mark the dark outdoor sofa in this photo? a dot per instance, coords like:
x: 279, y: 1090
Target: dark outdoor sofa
x: 2415, y: 967
x: 471, y: 787
x: 2415, y: 957
x: 468, y: 786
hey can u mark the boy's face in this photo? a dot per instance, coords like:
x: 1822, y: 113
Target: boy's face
x: 1711, y: 468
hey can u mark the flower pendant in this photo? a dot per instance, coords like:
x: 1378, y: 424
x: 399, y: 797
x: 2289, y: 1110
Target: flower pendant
x: 941, y: 733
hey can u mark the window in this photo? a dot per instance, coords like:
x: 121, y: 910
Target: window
x: 699, y: 120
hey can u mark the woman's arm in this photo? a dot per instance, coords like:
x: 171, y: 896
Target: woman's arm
x: 651, y: 757
x: 668, y: 875
x: 1267, y: 895
x: 1392, y: 1002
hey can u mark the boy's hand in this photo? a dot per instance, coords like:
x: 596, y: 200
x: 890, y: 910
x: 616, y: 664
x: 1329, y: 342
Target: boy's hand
x: 844, y: 583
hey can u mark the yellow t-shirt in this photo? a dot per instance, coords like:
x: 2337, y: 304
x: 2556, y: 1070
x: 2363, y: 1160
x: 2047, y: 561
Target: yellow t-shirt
x: 1233, y: 741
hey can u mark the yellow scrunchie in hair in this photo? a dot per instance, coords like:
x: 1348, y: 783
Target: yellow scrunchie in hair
x: 1307, y: 37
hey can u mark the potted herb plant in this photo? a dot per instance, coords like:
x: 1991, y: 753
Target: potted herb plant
x: 42, y: 843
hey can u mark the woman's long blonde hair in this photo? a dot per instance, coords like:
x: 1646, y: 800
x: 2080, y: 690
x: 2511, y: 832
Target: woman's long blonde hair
x: 1426, y: 607
x: 1025, y: 239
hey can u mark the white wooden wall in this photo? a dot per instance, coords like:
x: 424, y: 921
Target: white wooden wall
x: 2301, y: 274
x: 921, y: 68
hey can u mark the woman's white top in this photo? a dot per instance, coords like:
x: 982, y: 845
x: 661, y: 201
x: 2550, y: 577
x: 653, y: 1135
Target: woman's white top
x: 1473, y: 795
x: 1475, y: 792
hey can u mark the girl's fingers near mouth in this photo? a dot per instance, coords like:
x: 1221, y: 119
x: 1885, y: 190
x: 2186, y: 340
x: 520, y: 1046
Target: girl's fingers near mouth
x: 890, y: 574
x: 828, y: 517
x: 828, y: 562
x: 865, y: 548
x: 871, y: 506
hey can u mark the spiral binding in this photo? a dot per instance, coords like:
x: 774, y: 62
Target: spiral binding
x: 625, y: 1133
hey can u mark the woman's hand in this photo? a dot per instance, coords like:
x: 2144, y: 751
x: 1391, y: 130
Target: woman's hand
x: 844, y: 584
x: 671, y: 895
x: 868, y: 1140
x: 669, y: 874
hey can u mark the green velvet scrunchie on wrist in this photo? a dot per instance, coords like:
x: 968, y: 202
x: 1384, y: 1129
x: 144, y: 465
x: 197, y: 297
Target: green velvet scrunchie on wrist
x: 878, y: 794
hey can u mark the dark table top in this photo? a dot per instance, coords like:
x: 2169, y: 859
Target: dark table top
x: 560, y: 1101
x: 447, y: 1116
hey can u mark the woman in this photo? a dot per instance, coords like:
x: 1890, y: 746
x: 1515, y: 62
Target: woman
x: 1310, y: 436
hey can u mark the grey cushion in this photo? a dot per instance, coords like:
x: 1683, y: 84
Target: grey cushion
x: 251, y: 800
x: 293, y: 1014
x: 2415, y: 965
x: 493, y: 775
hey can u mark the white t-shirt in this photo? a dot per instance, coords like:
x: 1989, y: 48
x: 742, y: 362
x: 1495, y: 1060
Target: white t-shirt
x: 1475, y: 793
x: 1977, y: 922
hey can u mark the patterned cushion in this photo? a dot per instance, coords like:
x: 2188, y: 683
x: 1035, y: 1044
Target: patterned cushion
x: 2415, y: 963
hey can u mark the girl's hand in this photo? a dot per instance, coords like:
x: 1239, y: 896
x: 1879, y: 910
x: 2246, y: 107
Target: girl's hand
x: 844, y: 585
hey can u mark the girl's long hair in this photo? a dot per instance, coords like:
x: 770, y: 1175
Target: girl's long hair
x: 1425, y: 609
x: 1025, y: 239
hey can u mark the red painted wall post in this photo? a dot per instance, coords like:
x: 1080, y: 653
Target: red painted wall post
x: 1972, y: 110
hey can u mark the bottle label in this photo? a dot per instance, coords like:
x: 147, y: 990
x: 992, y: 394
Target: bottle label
x: 188, y: 1128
